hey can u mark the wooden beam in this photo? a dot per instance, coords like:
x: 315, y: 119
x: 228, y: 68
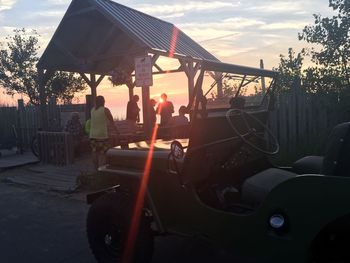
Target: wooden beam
x: 87, y: 80
x: 263, y: 84
x: 158, y: 67
x: 93, y: 87
x: 177, y: 56
x: 99, y: 80
x: 191, y: 71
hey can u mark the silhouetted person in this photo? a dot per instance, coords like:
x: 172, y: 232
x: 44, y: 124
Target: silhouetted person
x: 165, y: 109
x: 179, y: 125
x: 133, y: 110
x: 75, y: 128
x: 181, y: 119
x: 152, y: 113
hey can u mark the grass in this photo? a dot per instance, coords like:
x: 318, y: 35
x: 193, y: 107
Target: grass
x: 96, y: 181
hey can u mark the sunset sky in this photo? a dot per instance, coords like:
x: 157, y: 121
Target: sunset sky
x: 239, y: 32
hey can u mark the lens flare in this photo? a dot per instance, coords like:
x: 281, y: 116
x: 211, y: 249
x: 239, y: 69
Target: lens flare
x: 173, y: 42
x: 140, y: 200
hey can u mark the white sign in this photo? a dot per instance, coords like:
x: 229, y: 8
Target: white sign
x: 143, y: 71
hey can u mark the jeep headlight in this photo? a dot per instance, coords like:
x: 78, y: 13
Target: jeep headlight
x: 277, y: 221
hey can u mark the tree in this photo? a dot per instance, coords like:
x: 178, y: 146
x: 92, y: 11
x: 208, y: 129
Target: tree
x: 18, y: 72
x: 333, y: 37
x: 290, y: 67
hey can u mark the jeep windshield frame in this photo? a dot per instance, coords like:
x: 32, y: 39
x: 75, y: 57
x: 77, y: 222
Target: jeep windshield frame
x: 245, y: 75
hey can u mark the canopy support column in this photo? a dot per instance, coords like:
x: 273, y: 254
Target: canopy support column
x: 93, y: 83
x: 145, y: 109
x: 263, y: 84
x: 191, y: 70
x: 43, y: 77
x: 131, y: 90
x: 218, y: 79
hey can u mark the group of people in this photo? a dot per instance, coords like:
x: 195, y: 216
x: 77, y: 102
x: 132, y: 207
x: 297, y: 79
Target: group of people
x: 165, y: 109
x: 101, y: 118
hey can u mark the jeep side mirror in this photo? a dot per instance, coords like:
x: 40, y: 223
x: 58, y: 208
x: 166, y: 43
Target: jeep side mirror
x: 177, y: 150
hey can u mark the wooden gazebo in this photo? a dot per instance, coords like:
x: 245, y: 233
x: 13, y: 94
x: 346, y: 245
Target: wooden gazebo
x: 97, y: 36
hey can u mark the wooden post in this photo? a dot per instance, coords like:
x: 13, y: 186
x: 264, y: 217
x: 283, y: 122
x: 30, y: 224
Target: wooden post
x: 263, y: 85
x: 42, y: 97
x: 93, y: 87
x: 190, y: 78
x: 88, y: 106
x: 93, y: 83
x: 131, y: 92
x: 218, y: 79
x: 145, y: 109
x: 191, y: 71
x: 20, y: 113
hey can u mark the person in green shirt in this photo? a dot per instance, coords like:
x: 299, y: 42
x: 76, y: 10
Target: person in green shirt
x: 99, y: 141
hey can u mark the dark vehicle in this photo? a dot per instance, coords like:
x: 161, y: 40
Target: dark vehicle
x: 219, y: 184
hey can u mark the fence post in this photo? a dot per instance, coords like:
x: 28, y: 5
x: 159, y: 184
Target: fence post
x: 20, y: 111
x: 54, y: 115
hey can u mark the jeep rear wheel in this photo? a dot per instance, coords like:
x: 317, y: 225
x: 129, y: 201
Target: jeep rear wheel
x: 331, y: 247
x: 108, y: 224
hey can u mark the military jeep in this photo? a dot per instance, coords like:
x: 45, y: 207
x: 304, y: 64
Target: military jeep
x: 219, y: 183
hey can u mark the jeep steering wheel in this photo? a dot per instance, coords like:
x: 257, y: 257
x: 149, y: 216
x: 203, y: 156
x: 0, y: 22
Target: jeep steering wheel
x: 252, y: 131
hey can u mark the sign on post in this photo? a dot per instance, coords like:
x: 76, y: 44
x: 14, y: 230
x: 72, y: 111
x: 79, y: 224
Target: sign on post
x: 143, y: 71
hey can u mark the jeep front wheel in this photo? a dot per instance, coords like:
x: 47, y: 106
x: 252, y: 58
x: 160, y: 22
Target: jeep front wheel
x: 108, y: 223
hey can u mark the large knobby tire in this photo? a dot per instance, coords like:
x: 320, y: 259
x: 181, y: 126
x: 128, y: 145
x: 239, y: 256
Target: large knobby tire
x: 332, y: 246
x: 108, y: 224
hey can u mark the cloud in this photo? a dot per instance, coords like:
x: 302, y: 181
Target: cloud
x: 169, y: 9
x: 48, y: 14
x: 6, y: 4
x: 58, y: 2
x: 278, y: 7
x: 284, y: 25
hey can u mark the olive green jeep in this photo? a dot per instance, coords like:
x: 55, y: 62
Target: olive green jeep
x: 219, y: 184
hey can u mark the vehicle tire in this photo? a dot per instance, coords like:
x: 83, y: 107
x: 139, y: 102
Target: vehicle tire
x: 34, y: 146
x: 108, y: 224
x: 331, y: 247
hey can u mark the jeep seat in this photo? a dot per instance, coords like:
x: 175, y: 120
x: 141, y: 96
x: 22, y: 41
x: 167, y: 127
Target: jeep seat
x: 335, y: 160
x: 335, y: 163
x: 257, y: 187
x: 308, y: 165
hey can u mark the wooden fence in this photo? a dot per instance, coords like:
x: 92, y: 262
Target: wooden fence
x: 303, y: 121
x: 19, y: 125
x: 56, y: 147
x: 8, y: 122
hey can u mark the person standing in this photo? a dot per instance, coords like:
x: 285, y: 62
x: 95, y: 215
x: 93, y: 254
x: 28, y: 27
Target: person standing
x: 152, y: 113
x: 165, y: 109
x: 181, y: 119
x: 99, y: 141
x: 74, y: 127
x: 133, y: 110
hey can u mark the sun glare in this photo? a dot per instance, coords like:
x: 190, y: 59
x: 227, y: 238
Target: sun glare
x: 139, y: 204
